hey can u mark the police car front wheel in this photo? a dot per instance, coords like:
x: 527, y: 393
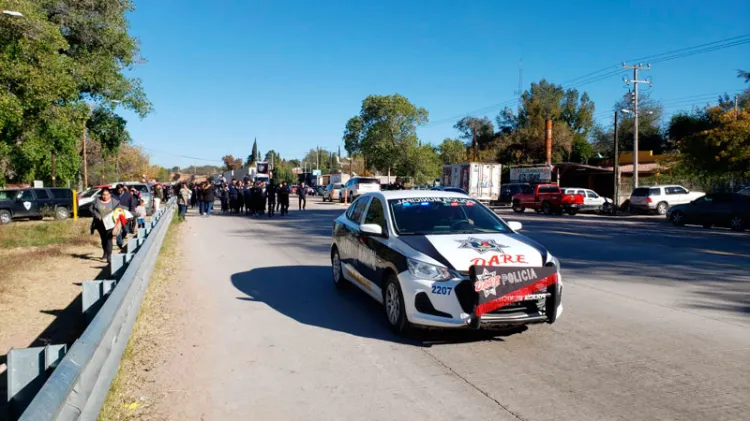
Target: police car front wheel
x: 338, y: 276
x: 395, y: 310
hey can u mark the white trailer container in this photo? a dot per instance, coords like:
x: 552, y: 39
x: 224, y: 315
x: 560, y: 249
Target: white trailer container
x: 480, y: 180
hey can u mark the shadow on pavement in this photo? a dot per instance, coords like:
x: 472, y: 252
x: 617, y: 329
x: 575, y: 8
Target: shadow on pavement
x: 307, y: 295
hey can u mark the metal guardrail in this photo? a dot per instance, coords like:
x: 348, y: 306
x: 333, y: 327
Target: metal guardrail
x: 80, y: 382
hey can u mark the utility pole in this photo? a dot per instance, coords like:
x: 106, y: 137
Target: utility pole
x: 616, y: 169
x: 85, y: 162
x: 54, y: 184
x: 635, y: 82
x: 317, y: 159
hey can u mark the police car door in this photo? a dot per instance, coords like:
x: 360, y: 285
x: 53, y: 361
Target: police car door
x: 349, y: 249
x: 25, y: 204
x: 373, y: 249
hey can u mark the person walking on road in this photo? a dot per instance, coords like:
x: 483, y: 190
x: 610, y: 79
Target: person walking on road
x: 128, y: 203
x: 302, y: 194
x: 193, y: 195
x: 271, y: 195
x: 158, y: 196
x: 283, y: 196
x: 249, y: 198
x: 224, y: 198
x: 183, y: 200
x: 103, y: 206
x: 234, y: 195
x: 208, y: 198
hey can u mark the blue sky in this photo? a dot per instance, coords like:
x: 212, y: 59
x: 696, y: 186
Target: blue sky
x: 290, y: 73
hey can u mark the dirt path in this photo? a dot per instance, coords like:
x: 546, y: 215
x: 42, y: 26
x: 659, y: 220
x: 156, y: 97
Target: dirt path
x: 40, y: 291
x: 159, y: 333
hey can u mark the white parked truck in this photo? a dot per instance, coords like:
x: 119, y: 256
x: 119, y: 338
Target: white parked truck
x: 480, y: 180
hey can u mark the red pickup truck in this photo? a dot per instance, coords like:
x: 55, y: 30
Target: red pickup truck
x: 547, y: 198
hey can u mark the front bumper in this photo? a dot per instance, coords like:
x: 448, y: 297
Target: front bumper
x: 451, y: 305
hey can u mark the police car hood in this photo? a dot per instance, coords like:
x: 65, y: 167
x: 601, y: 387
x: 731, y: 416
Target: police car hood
x: 461, y: 251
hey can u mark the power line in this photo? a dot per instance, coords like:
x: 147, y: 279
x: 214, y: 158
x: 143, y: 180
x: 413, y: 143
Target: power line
x: 654, y: 57
x: 178, y: 155
x: 612, y: 70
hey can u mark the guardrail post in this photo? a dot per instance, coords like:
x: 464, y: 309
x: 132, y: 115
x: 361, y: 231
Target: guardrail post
x: 28, y: 369
x: 132, y: 245
x: 117, y: 266
x: 93, y: 296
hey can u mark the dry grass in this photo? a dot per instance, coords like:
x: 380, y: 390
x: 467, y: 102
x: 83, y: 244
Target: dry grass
x: 149, y: 336
x: 28, y: 244
x: 44, y: 233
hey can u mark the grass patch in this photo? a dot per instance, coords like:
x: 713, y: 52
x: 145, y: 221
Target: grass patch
x: 125, y: 400
x: 44, y: 233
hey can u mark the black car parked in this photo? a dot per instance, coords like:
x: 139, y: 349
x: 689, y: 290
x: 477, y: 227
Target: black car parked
x: 720, y: 209
x: 35, y: 203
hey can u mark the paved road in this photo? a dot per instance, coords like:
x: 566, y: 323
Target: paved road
x: 656, y: 327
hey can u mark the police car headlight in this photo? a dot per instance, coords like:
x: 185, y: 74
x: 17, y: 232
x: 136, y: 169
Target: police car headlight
x: 427, y: 271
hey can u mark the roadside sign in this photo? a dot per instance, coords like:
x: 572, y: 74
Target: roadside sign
x: 317, y: 173
x: 531, y: 174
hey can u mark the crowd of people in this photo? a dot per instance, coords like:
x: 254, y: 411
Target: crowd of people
x: 254, y: 198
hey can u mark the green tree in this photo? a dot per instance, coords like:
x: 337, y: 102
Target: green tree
x: 650, y: 134
x: 581, y: 151
x: 61, y: 54
x: 713, y: 142
x: 424, y: 164
x: 273, y: 157
x: 385, y: 133
x: 521, y: 134
x: 253, y: 155
x: 479, y: 132
x: 452, y: 151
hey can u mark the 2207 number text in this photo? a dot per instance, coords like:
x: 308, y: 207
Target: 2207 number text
x: 441, y: 290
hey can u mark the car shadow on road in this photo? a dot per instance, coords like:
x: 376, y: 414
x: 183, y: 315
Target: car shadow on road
x: 307, y: 295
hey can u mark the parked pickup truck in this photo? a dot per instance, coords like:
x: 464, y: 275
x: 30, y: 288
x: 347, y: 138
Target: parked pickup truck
x: 35, y: 204
x: 547, y: 198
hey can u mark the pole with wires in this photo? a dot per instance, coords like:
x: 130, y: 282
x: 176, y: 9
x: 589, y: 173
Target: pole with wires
x: 635, y: 83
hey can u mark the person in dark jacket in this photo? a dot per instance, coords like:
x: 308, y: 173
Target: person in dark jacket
x: 271, y: 197
x: 224, y: 198
x: 283, y: 197
x: 259, y: 203
x: 208, y: 198
x: 128, y: 203
x: 248, y: 194
x: 234, y: 195
x: 103, y: 206
x: 193, y: 195
x: 302, y: 193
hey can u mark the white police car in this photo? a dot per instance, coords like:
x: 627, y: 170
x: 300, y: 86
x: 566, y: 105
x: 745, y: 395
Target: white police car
x: 442, y: 259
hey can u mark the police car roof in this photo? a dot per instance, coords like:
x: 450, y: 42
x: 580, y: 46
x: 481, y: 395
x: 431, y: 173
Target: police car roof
x: 406, y: 194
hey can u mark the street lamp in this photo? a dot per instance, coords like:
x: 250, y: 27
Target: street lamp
x: 12, y: 13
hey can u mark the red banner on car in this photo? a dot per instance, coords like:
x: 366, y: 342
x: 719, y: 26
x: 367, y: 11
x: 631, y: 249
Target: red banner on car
x: 498, y: 286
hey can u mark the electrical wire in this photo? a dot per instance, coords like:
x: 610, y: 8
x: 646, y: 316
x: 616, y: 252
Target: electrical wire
x: 609, y: 71
x: 178, y: 155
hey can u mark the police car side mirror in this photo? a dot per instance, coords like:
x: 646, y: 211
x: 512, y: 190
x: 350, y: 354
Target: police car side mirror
x: 371, y: 229
x: 515, y: 225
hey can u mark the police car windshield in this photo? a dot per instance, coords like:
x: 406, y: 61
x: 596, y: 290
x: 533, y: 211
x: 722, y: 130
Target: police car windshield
x: 443, y: 215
